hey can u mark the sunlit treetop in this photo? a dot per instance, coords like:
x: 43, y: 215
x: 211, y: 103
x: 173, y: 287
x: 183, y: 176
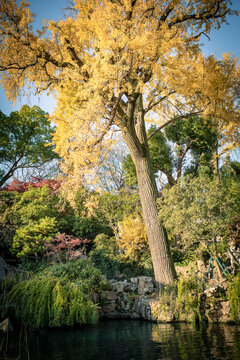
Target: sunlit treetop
x: 108, y: 58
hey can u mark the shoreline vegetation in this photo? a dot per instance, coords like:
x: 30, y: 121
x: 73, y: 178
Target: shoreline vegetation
x: 78, y: 263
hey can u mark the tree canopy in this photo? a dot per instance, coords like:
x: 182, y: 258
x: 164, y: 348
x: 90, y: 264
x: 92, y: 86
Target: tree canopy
x: 191, y: 138
x: 115, y: 65
x: 24, y: 137
x: 201, y: 210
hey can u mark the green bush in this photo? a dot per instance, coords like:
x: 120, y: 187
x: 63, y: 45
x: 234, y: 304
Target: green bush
x: 81, y: 272
x: 112, y: 264
x: 200, y: 210
x: 29, y: 239
x: 89, y: 227
x: 33, y: 267
x: 8, y: 217
x: 183, y: 298
x: 233, y: 294
x: 47, y: 301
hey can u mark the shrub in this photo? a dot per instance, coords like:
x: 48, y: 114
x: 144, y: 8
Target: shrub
x: 234, y: 297
x: 47, y: 301
x: 63, y: 247
x: 30, y: 239
x: 81, y: 272
x: 89, y: 227
x: 183, y: 298
x: 200, y: 210
x: 107, y: 259
x: 112, y: 208
x: 133, y: 237
x: 8, y: 218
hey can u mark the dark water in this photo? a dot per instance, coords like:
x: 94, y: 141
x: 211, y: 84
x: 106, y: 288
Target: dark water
x: 128, y: 340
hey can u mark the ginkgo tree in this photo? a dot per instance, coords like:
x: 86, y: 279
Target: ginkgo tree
x: 118, y: 65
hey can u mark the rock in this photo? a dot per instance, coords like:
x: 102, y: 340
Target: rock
x: 6, y: 325
x: 226, y: 312
x: 201, y: 267
x: 145, y: 285
x: 224, y: 284
x: 214, y: 291
x: 109, y: 307
x: 134, y: 280
x: 110, y: 295
x: 210, y: 291
x: 112, y: 281
x: 119, y: 286
x: 184, y: 269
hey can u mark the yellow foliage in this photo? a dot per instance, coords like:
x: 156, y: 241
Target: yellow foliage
x: 133, y: 237
x: 110, y: 53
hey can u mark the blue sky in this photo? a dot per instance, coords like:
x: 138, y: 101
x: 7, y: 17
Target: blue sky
x: 227, y: 39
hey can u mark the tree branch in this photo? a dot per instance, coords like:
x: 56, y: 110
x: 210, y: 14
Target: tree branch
x: 152, y: 105
x: 180, y: 160
x: 212, y: 13
x: 111, y: 120
x: 172, y: 121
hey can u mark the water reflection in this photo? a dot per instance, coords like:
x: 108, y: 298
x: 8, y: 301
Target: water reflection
x: 129, y: 340
x: 185, y: 341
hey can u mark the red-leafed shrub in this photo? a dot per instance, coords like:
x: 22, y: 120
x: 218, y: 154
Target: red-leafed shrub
x: 21, y: 186
x: 65, y: 247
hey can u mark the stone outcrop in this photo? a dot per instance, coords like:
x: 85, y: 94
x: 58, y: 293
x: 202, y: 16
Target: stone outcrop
x: 138, y: 298
x: 129, y: 299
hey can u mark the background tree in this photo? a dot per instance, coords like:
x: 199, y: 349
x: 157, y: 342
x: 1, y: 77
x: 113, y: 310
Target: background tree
x: 24, y: 137
x: 121, y: 64
x: 200, y: 210
x: 182, y: 147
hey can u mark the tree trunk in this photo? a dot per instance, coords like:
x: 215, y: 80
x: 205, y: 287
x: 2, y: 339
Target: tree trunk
x: 161, y: 257
x: 136, y: 139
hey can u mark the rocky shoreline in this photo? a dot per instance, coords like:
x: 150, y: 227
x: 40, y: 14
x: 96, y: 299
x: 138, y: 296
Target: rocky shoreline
x: 138, y: 298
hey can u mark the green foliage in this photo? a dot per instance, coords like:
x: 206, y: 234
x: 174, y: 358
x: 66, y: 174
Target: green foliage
x: 104, y: 243
x: 168, y: 149
x: 233, y: 295
x: 48, y: 301
x: 183, y: 299
x: 200, y: 210
x: 8, y: 217
x: 33, y: 267
x: 89, y: 227
x: 29, y: 239
x: 82, y: 272
x: 188, y: 301
x: 24, y: 136
x: 112, y: 208
x: 197, y: 133
x: 40, y: 215
x: 106, y: 257
x: 37, y: 203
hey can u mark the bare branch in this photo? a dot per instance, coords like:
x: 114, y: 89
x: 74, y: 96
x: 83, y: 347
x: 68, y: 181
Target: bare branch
x: 111, y: 120
x: 172, y: 121
x: 180, y: 160
x: 212, y: 13
x: 152, y: 105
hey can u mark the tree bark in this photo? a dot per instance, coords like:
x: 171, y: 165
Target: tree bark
x: 161, y: 257
x: 136, y: 139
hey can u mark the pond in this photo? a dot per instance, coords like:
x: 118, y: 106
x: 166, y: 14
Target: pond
x: 128, y: 340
